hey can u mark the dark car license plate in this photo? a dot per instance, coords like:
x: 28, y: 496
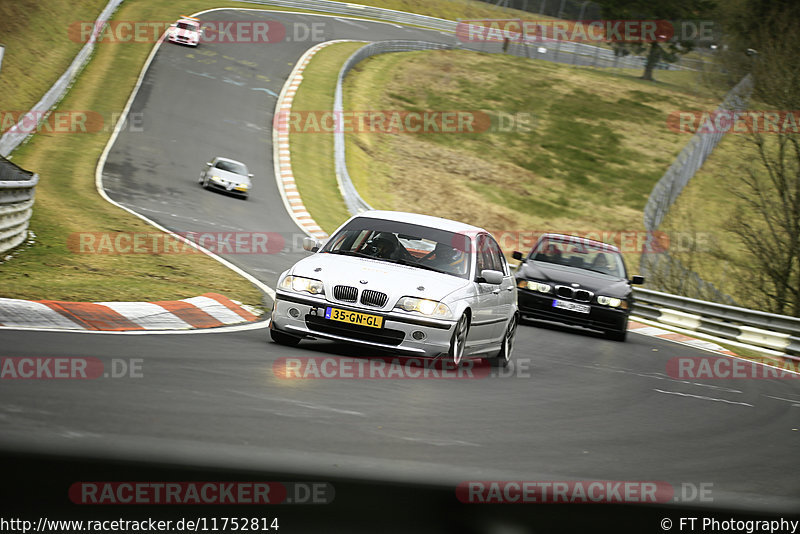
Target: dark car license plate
x: 571, y: 306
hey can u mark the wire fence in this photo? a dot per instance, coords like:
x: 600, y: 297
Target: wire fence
x: 665, y: 272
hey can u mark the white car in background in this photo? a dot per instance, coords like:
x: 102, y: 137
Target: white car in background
x: 224, y: 174
x: 412, y: 284
x: 186, y: 31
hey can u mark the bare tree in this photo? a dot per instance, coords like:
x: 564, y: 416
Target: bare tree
x: 767, y: 219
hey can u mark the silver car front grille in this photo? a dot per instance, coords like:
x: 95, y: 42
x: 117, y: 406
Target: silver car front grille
x: 345, y: 293
x: 374, y: 298
x: 581, y: 295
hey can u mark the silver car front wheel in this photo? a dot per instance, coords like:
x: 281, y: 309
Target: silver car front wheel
x: 459, y: 340
x: 507, y: 346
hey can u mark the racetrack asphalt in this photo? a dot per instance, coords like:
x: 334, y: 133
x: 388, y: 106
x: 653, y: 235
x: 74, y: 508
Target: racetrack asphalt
x: 573, y: 406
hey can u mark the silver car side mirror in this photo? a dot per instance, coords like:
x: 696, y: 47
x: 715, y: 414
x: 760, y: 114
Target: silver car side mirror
x: 310, y: 244
x: 492, y: 277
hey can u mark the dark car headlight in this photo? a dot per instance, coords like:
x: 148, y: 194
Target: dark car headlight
x: 534, y: 286
x: 612, y: 302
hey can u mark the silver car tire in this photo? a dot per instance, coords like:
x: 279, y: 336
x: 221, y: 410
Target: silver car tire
x: 459, y: 340
x: 507, y: 345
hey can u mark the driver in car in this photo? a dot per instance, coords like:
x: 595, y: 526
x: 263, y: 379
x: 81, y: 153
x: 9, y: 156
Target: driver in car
x: 446, y: 258
x: 381, y: 247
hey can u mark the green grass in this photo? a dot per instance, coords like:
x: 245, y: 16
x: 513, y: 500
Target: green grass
x: 599, y: 141
x: 38, y: 47
x: 705, y: 209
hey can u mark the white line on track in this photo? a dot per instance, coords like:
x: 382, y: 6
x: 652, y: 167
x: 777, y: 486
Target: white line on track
x: 350, y: 22
x: 701, y: 397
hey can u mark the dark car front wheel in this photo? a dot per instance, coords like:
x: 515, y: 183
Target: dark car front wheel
x: 617, y: 335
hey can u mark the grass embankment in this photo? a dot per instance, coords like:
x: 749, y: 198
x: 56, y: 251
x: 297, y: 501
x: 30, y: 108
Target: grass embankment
x: 707, y: 206
x: 598, y: 144
x: 39, y: 48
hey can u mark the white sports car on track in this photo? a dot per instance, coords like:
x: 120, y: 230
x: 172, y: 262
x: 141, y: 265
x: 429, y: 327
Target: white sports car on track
x: 186, y: 31
x: 227, y: 175
x: 412, y: 284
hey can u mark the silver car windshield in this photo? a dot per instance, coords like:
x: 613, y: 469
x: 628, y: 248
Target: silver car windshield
x: 581, y: 254
x: 232, y: 166
x: 405, y: 244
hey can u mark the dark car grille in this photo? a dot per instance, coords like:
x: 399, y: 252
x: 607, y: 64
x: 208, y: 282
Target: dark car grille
x: 345, y: 293
x: 374, y: 298
x: 384, y: 336
x: 580, y: 295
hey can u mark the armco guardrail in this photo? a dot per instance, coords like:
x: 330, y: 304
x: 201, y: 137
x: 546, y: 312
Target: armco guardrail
x: 17, y: 134
x: 16, y: 203
x: 599, y: 56
x: 768, y: 330
x: 342, y: 8
x: 355, y: 204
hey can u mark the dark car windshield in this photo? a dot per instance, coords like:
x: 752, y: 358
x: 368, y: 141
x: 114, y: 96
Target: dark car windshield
x: 187, y: 26
x: 405, y: 244
x: 232, y: 166
x: 580, y: 254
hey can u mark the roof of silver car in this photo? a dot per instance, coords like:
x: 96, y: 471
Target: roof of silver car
x: 422, y: 220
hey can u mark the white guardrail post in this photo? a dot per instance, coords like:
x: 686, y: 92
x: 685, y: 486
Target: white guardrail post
x: 16, y: 204
x: 761, y: 329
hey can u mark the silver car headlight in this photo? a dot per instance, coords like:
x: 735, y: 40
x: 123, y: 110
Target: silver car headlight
x: 300, y: 284
x: 216, y: 178
x: 609, y: 301
x: 431, y: 308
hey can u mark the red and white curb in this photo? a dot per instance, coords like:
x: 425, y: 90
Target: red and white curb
x: 206, y: 311
x: 280, y: 146
x: 654, y: 331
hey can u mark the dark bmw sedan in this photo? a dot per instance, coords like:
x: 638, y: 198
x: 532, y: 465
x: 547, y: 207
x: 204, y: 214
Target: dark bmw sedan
x: 576, y: 281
